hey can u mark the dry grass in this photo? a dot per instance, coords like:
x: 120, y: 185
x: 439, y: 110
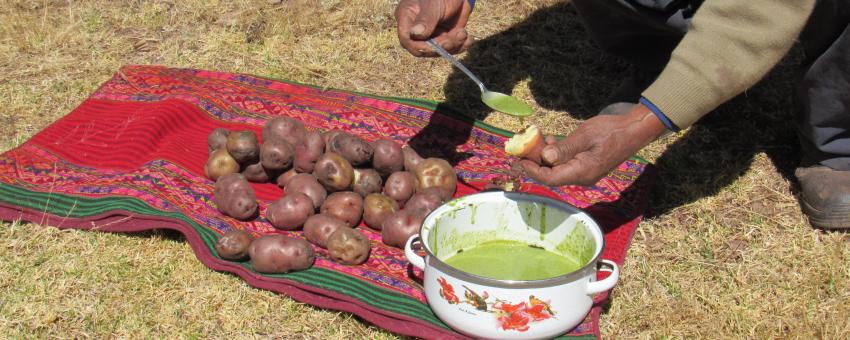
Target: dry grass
x: 724, y: 252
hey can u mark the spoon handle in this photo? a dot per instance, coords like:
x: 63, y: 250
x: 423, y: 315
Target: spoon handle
x: 454, y: 61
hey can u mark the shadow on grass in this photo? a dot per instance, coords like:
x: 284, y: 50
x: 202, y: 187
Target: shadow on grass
x: 568, y: 72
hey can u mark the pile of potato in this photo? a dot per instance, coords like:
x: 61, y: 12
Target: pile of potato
x: 332, y: 181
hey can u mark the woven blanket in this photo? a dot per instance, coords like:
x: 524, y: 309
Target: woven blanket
x: 131, y: 157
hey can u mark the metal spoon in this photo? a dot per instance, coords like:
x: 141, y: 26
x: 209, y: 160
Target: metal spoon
x: 495, y: 100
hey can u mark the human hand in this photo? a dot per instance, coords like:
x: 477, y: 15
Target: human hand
x: 443, y: 20
x: 598, y: 146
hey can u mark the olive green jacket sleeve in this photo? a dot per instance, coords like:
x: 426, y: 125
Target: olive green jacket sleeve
x: 730, y: 46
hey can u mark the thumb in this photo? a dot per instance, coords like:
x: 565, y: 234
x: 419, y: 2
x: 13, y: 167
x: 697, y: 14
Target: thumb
x: 563, y: 151
x: 430, y: 13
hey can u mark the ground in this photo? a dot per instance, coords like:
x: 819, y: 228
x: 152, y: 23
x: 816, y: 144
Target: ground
x: 724, y: 250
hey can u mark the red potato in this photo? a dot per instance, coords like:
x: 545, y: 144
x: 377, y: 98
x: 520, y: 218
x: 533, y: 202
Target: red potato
x: 376, y: 209
x: 387, y: 157
x: 400, y: 226
x: 308, y: 185
x: 285, y: 177
x: 276, y: 154
x: 367, y: 181
x: 354, y: 149
x: 243, y: 146
x: 334, y: 172
x: 276, y: 254
x: 308, y: 152
x: 348, y: 246
x: 219, y: 164
x: 217, y: 139
x: 285, y: 128
x: 234, y: 197
x: 290, y: 211
x: 427, y: 200
x: 411, y: 158
x: 234, y: 245
x: 319, y: 228
x: 400, y: 186
x: 330, y: 137
x: 256, y: 173
x: 345, y: 206
x: 436, y: 172
x: 527, y: 144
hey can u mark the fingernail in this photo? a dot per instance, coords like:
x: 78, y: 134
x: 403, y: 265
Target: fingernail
x: 417, y: 29
x: 550, y: 155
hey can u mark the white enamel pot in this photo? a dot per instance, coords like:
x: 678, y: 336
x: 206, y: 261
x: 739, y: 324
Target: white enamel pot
x: 489, y: 308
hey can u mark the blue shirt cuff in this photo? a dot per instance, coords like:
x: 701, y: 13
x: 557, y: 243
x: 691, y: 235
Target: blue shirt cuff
x: 661, y: 116
x: 472, y: 3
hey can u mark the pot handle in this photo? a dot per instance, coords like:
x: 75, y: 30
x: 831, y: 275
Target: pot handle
x: 606, y: 283
x: 416, y: 260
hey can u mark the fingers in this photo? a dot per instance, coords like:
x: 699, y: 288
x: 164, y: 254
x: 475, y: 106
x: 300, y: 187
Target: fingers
x: 442, y: 20
x: 565, y: 150
x: 427, y: 19
x: 574, y: 172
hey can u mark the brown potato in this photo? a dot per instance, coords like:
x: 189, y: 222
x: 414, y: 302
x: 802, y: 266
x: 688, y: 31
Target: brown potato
x: 345, y: 206
x: 256, y: 173
x: 400, y: 226
x: 308, y: 152
x: 367, y: 181
x: 234, y: 197
x: 233, y: 245
x: 319, y: 228
x: 334, y: 172
x: 308, y: 185
x: 349, y: 246
x: 243, y: 146
x: 411, y: 159
x: 285, y: 177
x: 290, y: 211
x: 354, y: 149
x: 285, y: 128
x: 436, y: 172
x: 400, y: 186
x: 217, y: 139
x: 426, y: 200
x: 275, y: 254
x: 387, y: 157
x: 527, y: 144
x: 276, y: 154
x: 376, y: 208
x: 330, y: 140
x: 219, y: 164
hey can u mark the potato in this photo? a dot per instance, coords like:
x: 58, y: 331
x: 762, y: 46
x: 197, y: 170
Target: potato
x: 233, y: 245
x: 308, y: 185
x: 243, y: 146
x: 387, y: 157
x: 275, y: 254
x: 376, y: 208
x: 527, y: 144
x: 436, y: 172
x: 411, y: 158
x: 400, y: 186
x: 334, y: 172
x: 426, y: 200
x: 345, y: 206
x: 256, y: 173
x: 285, y: 128
x: 308, y: 152
x: 276, y: 154
x: 284, y: 178
x: 219, y: 164
x: 348, y: 246
x: 319, y: 228
x: 290, y: 211
x: 330, y: 137
x: 367, y: 181
x: 234, y: 197
x: 354, y: 149
x: 400, y: 226
x: 217, y: 139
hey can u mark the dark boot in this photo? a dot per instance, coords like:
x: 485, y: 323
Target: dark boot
x: 825, y: 196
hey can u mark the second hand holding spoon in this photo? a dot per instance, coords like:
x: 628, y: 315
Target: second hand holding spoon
x: 495, y: 100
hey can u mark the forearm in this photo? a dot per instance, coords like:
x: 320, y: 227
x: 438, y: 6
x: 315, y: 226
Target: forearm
x: 731, y: 45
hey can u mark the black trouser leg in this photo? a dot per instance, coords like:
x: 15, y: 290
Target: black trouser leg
x: 823, y: 90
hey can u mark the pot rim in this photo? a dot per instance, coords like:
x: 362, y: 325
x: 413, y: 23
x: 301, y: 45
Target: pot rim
x: 434, y: 261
